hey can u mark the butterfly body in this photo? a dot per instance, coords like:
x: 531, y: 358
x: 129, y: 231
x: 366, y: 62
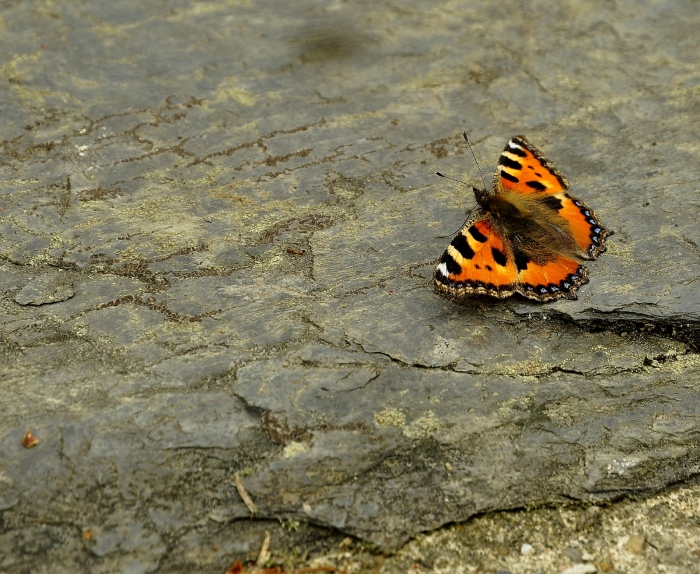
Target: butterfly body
x: 528, y: 234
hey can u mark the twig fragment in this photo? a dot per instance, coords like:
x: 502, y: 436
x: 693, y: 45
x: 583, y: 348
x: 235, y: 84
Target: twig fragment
x: 264, y: 551
x: 250, y: 505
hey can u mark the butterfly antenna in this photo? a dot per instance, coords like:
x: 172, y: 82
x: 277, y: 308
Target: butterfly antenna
x: 451, y: 178
x: 481, y: 173
x: 455, y: 180
x: 469, y: 214
x: 463, y: 183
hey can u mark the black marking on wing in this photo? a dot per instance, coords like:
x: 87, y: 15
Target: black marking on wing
x: 505, y: 161
x: 537, y: 185
x: 460, y: 244
x: 476, y: 234
x: 506, y: 175
x: 516, y: 150
x: 521, y: 260
x: 453, y: 268
x: 499, y: 257
x: 552, y: 201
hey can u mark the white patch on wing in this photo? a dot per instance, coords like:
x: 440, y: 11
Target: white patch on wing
x: 442, y: 268
x: 513, y: 145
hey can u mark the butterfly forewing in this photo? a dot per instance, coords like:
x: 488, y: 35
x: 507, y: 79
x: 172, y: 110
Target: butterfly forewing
x: 523, y: 168
x: 477, y: 261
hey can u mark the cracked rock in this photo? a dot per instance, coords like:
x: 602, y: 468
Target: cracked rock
x: 46, y: 288
x: 217, y: 238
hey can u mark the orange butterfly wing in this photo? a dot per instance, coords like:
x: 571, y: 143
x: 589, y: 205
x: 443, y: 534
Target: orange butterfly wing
x: 477, y: 261
x: 522, y: 168
x: 480, y: 261
x: 483, y: 259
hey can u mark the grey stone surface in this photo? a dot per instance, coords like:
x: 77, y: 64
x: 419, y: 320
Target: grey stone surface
x: 48, y: 288
x: 241, y: 198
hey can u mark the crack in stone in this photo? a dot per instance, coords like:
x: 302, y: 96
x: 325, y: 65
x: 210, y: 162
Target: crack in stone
x: 159, y: 307
x: 376, y: 375
x: 643, y: 326
x: 258, y: 142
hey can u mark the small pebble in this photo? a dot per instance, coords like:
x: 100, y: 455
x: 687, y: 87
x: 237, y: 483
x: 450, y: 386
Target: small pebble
x: 580, y: 569
x: 573, y: 554
x: 29, y: 440
x: 635, y: 544
x: 527, y: 549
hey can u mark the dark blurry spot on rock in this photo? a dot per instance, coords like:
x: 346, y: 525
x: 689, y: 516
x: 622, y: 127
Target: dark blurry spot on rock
x: 328, y: 42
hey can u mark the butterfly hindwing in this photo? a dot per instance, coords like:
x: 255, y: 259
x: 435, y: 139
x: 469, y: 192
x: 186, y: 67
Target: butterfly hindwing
x: 554, y: 278
x: 584, y: 226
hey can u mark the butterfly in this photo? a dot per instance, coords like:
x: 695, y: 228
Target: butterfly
x: 528, y: 235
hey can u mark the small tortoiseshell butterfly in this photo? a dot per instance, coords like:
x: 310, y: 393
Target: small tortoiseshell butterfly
x: 528, y: 235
